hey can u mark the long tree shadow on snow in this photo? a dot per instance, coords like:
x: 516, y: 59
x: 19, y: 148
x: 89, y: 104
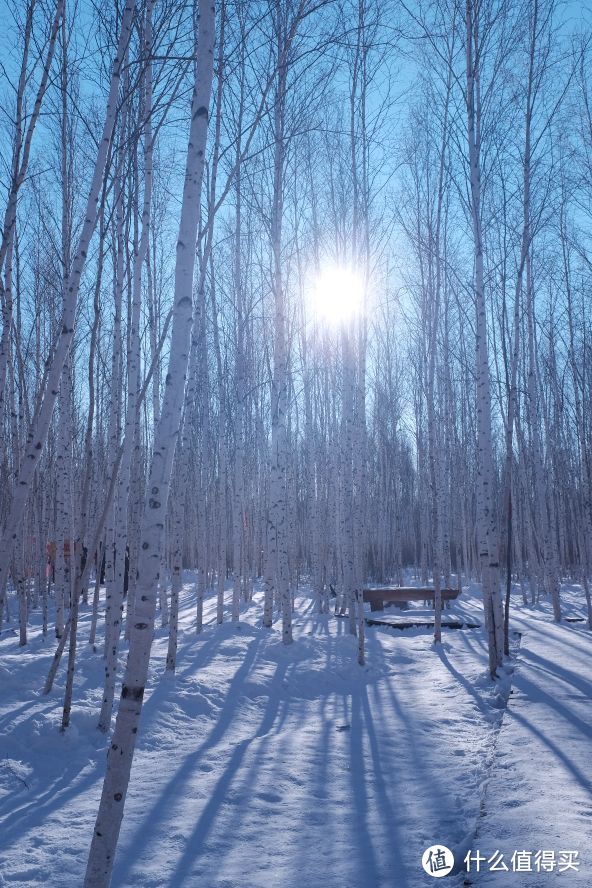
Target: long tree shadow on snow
x: 377, y: 773
x: 149, y: 827
x: 267, y: 743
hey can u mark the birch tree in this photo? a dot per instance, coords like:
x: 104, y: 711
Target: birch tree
x: 39, y: 428
x: 120, y: 757
x: 486, y: 516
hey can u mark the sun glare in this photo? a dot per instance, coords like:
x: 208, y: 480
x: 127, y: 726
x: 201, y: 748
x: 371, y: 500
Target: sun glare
x: 338, y: 294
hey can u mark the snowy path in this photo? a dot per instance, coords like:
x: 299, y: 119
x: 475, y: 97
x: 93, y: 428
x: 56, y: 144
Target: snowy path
x: 540, y: 793
x: 261, y: 765
x: 258, y: 765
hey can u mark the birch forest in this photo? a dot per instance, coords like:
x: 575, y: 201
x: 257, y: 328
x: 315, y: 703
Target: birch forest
x: 295, y: 312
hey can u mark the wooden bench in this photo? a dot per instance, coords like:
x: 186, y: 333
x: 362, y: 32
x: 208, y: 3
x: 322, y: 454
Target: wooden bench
x: 379, y: 595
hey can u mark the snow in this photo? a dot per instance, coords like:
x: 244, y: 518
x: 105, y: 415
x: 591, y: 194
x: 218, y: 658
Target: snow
x: 540, y: 797
x: 261, y: 765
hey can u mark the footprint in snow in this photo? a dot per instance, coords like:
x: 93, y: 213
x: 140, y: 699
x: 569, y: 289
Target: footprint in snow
x: 270, y: 797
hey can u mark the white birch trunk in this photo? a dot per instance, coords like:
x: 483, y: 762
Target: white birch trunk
x: 486, y: 523
x: 113, y: 619
x: 277, y: 530
x: 176, y: 580
x: 39, y: 428
x: 119, y: 761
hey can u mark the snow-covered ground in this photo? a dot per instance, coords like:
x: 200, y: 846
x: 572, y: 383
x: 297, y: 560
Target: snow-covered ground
x: 261, y: 765
x: 540, y: 797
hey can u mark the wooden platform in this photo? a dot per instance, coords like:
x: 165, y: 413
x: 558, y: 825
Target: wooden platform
x: 377, y: 596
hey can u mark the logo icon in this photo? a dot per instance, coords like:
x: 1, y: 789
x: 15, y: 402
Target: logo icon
x: 437, y: 861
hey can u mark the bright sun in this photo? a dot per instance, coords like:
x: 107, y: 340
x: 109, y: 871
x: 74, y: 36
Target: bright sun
x: 338, y: 294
